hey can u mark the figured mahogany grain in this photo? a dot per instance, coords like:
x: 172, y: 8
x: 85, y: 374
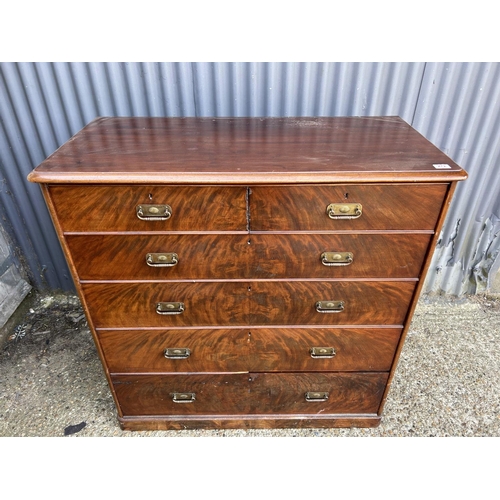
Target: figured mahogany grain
x: 385, y: 256
x: 250, y: 393
x: 122, y: 257
x: 134, y: 304
x: 119, y: 305
x: 113, y: 208
x: 259, y: 256
x: 385, y: 207
x: 249, y: 295
x: 365, y: 302
x: 255, y: 349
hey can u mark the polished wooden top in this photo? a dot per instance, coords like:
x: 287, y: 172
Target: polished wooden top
x: 247, y: 150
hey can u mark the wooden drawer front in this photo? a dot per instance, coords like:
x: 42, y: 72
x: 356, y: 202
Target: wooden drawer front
x: 134, y: 304
x: 250, y: 393
x: 260, y: 256
x: 365, y: 303
x: 374, y: 255
x: 303, y: 208
x: 201, y: 256
x: 114, y: 305
x: 113, y: 208
x: 259, y: 350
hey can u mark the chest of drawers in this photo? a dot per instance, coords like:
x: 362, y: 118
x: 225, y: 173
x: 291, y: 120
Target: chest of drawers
x: 248, y: 272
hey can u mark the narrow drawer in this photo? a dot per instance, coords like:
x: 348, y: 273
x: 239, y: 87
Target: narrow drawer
x: 249, y: 393
x: 115, y: 208
x: 257, y: 350
x: 122, y: 305
x: 384, y: 207
x: 258, y: 256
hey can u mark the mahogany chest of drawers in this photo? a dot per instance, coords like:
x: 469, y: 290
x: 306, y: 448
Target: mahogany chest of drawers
x: 248, y: 272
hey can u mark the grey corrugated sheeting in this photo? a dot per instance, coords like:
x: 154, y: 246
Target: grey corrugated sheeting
x: 456, y: 106
x: 459, y: 111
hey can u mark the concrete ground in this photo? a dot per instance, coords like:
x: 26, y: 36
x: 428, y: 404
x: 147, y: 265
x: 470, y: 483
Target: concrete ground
x: 447, y: 382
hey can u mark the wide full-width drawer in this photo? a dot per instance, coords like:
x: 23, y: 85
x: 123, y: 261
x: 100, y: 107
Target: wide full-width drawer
x: 256, y: 256
x: 150, y: 208
x: 250, y: 393
x: 171, y: 304
x: 348, y: 207
x: 256, y: 349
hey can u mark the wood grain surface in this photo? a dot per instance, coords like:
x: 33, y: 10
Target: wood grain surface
x: 290, y: 421
x: 113, y: 208
x: 384, y: 207
x: 230, y: 256
x: 251, y: 394
x: 134, y: 304
x: 253, y: 349
x: 119, y: 305
x: 249, y: 223
x: 246, y: 151
x: 366, y: 302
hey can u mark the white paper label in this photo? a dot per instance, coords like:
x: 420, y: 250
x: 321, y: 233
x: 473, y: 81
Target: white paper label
x: 441, y: 165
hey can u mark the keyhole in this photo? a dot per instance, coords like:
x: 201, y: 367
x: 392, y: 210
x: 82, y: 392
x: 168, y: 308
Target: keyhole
x: 346, y: 196
x: 150, y: 197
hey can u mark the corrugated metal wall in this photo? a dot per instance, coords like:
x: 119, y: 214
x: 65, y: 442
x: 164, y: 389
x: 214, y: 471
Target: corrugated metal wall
x: 456, y: 106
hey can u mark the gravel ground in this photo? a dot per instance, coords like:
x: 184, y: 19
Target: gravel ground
x: 447, y: 383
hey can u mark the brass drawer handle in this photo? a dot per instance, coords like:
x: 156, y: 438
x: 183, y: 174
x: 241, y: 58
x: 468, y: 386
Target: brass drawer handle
x: 316, y: 396
x: 344, y: 210
x: 162, y: 259
x: 153, y: 212
x: 170, y: 307
x: 329, y: 306
x: 183, y: 397
x: 322, y: 352
x: 177, y: 353
x: 336, y: 258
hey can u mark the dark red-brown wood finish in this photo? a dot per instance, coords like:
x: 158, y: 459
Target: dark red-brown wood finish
x: 286, y: 312
x: 246, y: 151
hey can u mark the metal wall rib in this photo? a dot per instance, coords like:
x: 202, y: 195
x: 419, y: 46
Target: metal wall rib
x: 455, y: 105
x: 459, y: 111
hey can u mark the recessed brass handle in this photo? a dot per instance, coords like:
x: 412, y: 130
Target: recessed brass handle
x: 162, y: 259
x: 183, y: 397
x: 344, y: 210
x: 316, y: 396
x: 177, y: 353
x: 336, y: 258
x: 329, y: 306
x: 153, y: 212
x: 322, y: 352
x: 170, y: 307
